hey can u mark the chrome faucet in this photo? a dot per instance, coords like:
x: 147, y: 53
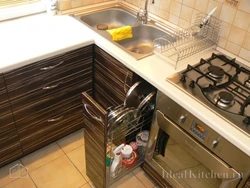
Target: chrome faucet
x: 142, y: 14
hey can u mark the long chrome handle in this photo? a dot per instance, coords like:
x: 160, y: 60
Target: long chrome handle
x: 125, y: 83
x: 91, y: 115
x: 52, y: 86
x: 51, y: 67
x: 55, y: 119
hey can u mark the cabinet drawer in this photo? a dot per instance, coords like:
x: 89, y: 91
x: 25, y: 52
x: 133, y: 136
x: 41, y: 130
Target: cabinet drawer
x: 39, y: 134
x: 28, y: 94
x: 50, y: 112
x: 115, y: 68
x: 46, y: 69
x: 66, y: 91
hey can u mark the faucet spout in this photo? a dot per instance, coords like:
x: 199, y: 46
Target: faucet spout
x: 142, y: 14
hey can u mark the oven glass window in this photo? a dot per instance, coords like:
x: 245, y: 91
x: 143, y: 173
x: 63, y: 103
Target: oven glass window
x: 181, y: 168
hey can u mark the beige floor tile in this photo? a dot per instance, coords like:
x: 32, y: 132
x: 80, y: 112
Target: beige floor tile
x: 77, y: 156
x: 60, y: 173
x: 21, y: 183
x: 128, y: 181
x: 140, y: 174
x: 87, y: 185
x: 42, y: 156
x: 72, y: 141
x: 9, y: 173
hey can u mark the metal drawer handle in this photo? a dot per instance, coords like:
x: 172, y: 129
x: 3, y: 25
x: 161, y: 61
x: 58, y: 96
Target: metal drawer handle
x: 51, y: 67
x: 52, y: 86
x: 125, y: 82
x: 55, y: 119
x: 86, y: 106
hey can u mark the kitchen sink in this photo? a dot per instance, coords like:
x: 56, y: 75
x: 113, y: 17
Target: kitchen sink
x: 112, y: 18
x: 140, y: 45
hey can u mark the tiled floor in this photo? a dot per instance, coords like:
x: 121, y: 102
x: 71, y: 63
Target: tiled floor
x: 61, y: 165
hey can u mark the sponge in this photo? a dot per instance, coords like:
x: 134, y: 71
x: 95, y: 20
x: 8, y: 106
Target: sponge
x: 121, y: 33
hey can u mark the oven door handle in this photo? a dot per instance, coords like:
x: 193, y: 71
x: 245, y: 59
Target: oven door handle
x: 206, y: 157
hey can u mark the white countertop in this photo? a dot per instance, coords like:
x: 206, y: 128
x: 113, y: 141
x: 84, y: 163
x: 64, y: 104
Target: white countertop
x: 33, y: 38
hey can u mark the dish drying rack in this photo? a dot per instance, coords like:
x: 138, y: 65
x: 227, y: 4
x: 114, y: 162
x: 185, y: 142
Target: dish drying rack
x: 187, y: 42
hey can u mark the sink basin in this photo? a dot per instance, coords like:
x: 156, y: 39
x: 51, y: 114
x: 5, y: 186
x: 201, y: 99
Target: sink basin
x: 142, y: 40
x: 112, y: 18
x: 140, y: 45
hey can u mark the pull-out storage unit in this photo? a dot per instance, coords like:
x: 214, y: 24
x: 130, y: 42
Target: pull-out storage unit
x: 105, y: 129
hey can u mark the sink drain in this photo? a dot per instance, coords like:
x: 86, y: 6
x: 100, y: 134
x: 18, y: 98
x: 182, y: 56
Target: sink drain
x: 136, y: 50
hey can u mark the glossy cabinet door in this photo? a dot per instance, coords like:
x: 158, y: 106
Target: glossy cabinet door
x: 45, y: 96
x: 111, y: 79
x: 10, y: 148
x: 95, y: 135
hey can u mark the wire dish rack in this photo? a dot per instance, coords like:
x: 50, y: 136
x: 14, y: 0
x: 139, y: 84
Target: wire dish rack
x: 187, y: 42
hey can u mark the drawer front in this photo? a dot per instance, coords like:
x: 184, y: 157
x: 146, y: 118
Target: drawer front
x: 35, y: 111
x: 45, y: 71
x: 42, y: 133
x: 25, y: 96
x: 113, y: 67
x: 95, y: 122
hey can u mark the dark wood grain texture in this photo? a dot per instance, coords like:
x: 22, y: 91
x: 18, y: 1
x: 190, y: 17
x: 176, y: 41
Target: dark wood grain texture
x: 111, y: 79
x: 10, y: 148
x: 45, y: 97
x: 95, y: 122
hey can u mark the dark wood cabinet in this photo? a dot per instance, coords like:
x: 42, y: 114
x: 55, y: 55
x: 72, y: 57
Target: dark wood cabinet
x: 111, y: 79
x: 95, y: 135
x: 10, y: 148
x: 45, y: 96
x: 111, y: 82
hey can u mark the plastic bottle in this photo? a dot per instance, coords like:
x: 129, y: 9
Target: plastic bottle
x: 117, y: 162
x: 51, y: 7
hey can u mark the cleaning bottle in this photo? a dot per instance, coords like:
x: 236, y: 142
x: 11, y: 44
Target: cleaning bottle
x: 117, y: 162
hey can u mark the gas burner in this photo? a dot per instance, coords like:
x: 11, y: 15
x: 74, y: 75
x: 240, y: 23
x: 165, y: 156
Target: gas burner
x: 215, y: 72
x: 224, y: 99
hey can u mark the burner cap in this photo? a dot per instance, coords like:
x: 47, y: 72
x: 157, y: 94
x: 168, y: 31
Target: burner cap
x: 216, y: 72
x: 224, y: 99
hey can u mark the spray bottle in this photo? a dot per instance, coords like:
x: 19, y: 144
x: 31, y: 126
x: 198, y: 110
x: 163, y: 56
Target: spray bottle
x: 117, y: 162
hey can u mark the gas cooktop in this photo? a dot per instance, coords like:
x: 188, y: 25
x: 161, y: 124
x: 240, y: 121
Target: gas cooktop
x: 222, y: 84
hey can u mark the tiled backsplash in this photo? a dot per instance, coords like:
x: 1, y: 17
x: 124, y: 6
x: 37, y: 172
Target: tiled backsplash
x: 235, y: 29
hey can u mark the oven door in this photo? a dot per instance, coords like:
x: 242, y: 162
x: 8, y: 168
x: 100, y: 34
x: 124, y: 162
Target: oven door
x: 183, y: 161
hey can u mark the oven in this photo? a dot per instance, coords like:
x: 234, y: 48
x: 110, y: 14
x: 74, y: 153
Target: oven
x: 186, y: 152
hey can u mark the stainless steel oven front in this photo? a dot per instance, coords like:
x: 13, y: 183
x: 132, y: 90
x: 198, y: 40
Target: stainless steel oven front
x: 188, y: 153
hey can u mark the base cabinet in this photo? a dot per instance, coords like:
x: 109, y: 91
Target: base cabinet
x: 10, y: 148
x: 111, y: 82
x: 45, y: 97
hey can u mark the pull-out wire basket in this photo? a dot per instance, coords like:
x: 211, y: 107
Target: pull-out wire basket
x: 187, y: 42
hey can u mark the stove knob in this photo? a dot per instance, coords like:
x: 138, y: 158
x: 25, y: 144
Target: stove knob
x: 183, y: 79
x: 192, y: 84
x: 182, y: 119
x: 215, y: 143
x: 246, y: 120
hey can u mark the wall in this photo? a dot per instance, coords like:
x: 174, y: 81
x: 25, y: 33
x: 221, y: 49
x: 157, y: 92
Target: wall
x: 235, y: 30
x: 69, y: 4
